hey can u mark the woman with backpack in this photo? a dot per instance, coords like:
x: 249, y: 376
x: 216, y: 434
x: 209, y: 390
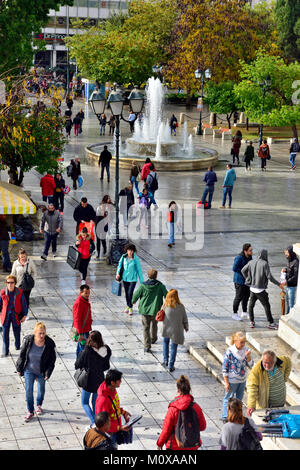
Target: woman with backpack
x: 294, y: 149
x: 129, y: 270
x: 23, y: 265
x: 264, y: 154
x: 233, y: 437
x: 175, y: 436
x: 85, y: 246
x: 95, y: 360
x: 59, y: 195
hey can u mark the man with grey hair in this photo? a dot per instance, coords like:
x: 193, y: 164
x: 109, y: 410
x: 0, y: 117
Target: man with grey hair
x: 266, y: 382
x: 51, y: 225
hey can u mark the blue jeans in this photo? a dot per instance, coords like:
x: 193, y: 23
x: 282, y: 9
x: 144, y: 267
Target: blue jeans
x: 171, y: 232
x: 29, y: 382
x: 227, y: 190
x: 104, y: 166
x: 81, y: 347
x: 166, y: 343
x: 4, y: 244
x: 208, y: 190
x: 292, y: 159
x: 129, y: 288
x: 50, y: 239
x: 134, y: 182
x: 102, y: 129
x: 290, y: 298
x: 236, y: 390
x: 11, y: 319
x: 85, y: 401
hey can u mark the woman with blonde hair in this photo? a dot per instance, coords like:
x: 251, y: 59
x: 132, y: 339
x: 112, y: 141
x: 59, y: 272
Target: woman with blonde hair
x: 236, y: 359
x: 23, y: 265
x: 174, y: 324
x: 134, y: 174
x: 36, y: 362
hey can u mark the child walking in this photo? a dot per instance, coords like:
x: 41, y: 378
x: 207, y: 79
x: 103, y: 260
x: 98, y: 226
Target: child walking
x: 172, y: 216
x: 249, y: 155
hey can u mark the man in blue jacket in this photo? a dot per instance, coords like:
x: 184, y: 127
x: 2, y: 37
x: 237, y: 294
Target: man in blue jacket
x: 210, y: 178
x: 230, y: 177
x: 242, y: 292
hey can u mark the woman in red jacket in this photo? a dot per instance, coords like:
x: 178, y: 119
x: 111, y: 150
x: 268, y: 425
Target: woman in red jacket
x: 181, y: 402
x: 85, y: 246
x: 146, y: 169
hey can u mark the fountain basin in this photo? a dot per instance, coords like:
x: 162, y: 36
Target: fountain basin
x: 202, y: 158
x: 148, y: 149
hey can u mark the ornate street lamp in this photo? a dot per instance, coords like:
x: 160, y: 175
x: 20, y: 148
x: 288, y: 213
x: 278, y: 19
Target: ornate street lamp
x: 265, y: 85
x: 97, y: 101
x: 201, y: 74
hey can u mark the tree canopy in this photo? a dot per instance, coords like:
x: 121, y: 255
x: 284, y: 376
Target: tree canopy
x: 222, y: 99
x: 287, y: 13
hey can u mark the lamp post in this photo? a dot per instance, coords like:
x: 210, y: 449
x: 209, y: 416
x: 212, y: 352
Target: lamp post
x: 116, y: 102
x: 201, y: 74
x: 265, y: 86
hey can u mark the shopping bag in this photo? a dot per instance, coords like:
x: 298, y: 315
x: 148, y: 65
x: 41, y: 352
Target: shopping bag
x: 80, y: 181
x: 73, y: 258
x: 90, y: 228
x: 116, y: 288
x: 66, y: 189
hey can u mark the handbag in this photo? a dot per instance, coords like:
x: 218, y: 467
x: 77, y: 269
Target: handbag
x: 27, y: 281
x: 160, y: 316
x: 116, y: 288
x: 73, y: 258
x: 269, y: 157
x: 81, y: 376
x: 122, y: 437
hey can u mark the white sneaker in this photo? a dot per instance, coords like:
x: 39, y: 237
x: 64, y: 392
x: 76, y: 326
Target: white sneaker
x: 245, y: 315
x: 235, y: 316
x: 83, y: 282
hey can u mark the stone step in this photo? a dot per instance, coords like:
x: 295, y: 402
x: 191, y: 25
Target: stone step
x: 208, y: 361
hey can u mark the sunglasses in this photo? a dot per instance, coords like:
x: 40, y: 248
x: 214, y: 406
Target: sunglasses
x: 10, y: 282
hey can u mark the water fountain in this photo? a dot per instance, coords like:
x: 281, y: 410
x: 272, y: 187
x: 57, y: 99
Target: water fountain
x: 152, y: 138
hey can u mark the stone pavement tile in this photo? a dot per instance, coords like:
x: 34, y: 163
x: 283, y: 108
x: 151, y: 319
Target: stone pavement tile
x: 62, y: 442
x: 9, y: 445
x: 28, y: 430
x: 148, y: 437
x: 56, y: 428
x: 6, y: 435
x: 5, y: 422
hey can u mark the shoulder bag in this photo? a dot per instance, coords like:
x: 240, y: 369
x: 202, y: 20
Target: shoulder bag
x: 73, y: 332
x: 82, y: 376
x: 160, y: 316
x: 122, y: 437
x: 27, y: 281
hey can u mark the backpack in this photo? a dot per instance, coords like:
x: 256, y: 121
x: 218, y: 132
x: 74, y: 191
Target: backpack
x: 144, y: 201
x: 264, y: 149
x: 154, y: 184
x: 248, y: 439
x: 187, y: 431
x: 296, y: 147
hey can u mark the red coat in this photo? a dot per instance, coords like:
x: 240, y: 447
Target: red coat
x: 48, y: 185
x: 81, y: 309
x: 181, y: 402
x: 18, y: 305
x: 265, y: 154
x: 103, y: 403
x: 84, y: 247
x: 146, y: 171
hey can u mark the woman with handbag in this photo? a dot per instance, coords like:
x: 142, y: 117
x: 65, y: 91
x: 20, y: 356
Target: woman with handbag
x: 85, y: 246
x: 174, y: 323
x: 25, y: 271
x: 90, y: 366
x: 135, y: 175
x: 129, y: 270
x: 36, y: 362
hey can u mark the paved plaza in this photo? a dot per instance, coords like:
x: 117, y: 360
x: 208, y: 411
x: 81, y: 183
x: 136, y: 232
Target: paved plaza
x: 264, y: 212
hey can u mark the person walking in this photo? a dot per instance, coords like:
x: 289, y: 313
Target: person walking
x: 233, y: 428
x: 266, y: 383
x: 173, y: 124
x: 126, y: 200
x: 257, y: 274
x: 210, y: 178
x: 59, y: 195
x: 146, y: 169
x: 236, y: 358
x: 134, y: 174
x: 47, y: 184
x: 4, y: 243
x: 82, y: 317
x: 36, y: 363
x: 132, y: 119
x: 108, y: 400
x: 13, y: 311
x: 294, y: 149
x: 98, y: 438
x: 76, y: 171
x: 69, y: 102
x: 152, y: 180
x: 181, y: 403
x: 51, y: 226
x: 230, y: 177
x: 150, y: 295
x: 264, y: 154
x: 174, y: 324
x: 23, y: 265
x: 102, y: 122
x: 249, y: 155
x: 68, y: 125
x: 95, y: 360
x: 104, y: 162
x: 242, y: 291
x: 86, y: 247
x: 291, y: 278
x: 112, y: 124
x: 76, y: 122
x: 81, y: 116
x: 102, y: 223
x: 84, y: 212
x: 235, y: 151
x: 172, y: 220
x: 129, y: 270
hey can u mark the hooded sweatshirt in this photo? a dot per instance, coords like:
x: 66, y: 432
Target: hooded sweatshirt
x: 292, y: 268
x: 150, y: 294
x: 234, y: 364
x: 104, y: 403
x: 257, y: 272
x: 181, y: 402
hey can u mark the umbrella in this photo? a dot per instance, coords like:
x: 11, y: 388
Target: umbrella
x: 13, y: 200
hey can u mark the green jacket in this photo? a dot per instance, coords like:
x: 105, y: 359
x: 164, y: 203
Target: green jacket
x: 151, y: 294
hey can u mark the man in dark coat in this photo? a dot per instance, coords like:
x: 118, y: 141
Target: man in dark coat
x: 83, y: 213
x: 291, y: 280
x: 104, y: 162
x: 76, y: 171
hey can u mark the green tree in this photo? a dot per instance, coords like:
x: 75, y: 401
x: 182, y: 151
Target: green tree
x: 19, y: 19
x: 221, y: 98
x: 287, y: 13
x: 280, y: 105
